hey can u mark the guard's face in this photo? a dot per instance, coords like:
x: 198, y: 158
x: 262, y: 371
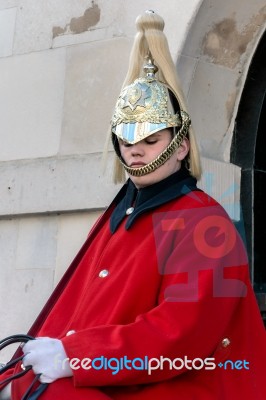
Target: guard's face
x: 139, y: 154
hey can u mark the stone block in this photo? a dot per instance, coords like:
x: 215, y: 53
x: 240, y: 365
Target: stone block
x: 94, y: 76
x: 31, y: 98
x: 73, y: 230
x: 211, y: 119
x: 54, y: 185
x: 27, y: 248
x: 36, y: 244
x: 7, y: 27
x: 24, y: 294
x: 8, y: 244
x: 4, y: 4
x: 41, y: 26
x: 36, y: 20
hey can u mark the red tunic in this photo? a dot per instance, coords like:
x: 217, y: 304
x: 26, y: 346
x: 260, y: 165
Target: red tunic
x: 174, y: 288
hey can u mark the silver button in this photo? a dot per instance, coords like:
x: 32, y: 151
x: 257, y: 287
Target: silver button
x: 103, y: 273
x: 70, y: 333
x: 130, y: 210
x: 226, y: 342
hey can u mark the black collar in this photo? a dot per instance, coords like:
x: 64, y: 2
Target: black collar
x: 150, y: 197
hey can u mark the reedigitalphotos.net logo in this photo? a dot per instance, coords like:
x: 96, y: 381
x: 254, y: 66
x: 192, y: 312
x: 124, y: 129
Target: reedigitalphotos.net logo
x: 116, y: 365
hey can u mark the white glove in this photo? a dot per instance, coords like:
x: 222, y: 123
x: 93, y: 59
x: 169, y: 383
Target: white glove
x: 47, y: 357
x: 5, y: 393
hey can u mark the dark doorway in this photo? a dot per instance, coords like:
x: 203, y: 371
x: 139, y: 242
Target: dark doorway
x: 249, y: 152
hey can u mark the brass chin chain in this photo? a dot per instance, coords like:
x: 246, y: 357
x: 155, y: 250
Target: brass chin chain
x: 166, y: 154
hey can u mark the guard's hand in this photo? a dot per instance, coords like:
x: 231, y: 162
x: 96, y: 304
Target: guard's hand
x: 47, y: 357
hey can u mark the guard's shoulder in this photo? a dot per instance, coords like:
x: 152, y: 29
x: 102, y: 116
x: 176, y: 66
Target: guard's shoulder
x: 198, y: 199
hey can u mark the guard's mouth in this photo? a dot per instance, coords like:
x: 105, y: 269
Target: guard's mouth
x: 137, y: 164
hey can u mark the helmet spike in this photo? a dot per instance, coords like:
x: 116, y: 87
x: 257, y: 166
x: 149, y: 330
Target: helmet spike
x: 150, y: 68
